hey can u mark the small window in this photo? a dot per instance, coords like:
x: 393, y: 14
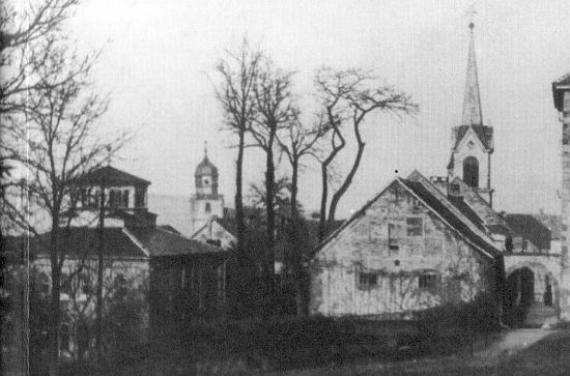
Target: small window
x: 126, y: 198
x: 367, y: 280
x: 415, y: 226
x: 427, y: 281
x: 454, y: 189
x: 208, y: 207
x: 392, y: 237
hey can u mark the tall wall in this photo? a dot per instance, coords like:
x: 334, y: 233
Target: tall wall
x: 565, y: 257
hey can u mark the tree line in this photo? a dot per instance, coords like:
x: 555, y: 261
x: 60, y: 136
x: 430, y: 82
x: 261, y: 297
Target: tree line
x: 262, y: 111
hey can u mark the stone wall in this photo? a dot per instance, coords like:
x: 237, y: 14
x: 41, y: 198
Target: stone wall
x: 565, y: 258
x: 360, y: 271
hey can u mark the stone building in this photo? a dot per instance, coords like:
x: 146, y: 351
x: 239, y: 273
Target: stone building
x: 172, y: 277
x: 408, y: 249
x: 561, y: 91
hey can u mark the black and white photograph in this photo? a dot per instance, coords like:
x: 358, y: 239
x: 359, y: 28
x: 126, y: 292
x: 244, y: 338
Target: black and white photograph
x: 284, y: 187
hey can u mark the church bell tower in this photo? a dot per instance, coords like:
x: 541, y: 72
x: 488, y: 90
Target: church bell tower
x: 472, y: 141
x: 206, y: 203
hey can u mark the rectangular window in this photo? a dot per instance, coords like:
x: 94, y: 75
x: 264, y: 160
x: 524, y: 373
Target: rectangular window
x: 367, y: 280
x: 393, y: 237
x: 428, y: 281
x: 415, y: 226
x: 139, y: 197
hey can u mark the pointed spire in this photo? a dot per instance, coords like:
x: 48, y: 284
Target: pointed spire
x: 205, y: 149
x: 472, y: 114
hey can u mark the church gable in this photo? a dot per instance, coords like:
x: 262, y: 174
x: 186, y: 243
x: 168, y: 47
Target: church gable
x: 470, y: 141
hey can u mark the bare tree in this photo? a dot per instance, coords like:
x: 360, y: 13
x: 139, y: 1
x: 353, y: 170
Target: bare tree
x: 275, y: 111
x: 297, y: 142
x: 348, y: 98
x: 55, y: 141
x: 235, y: 92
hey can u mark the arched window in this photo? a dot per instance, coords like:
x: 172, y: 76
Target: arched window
x: 208, y: 207
x: 471, y: 171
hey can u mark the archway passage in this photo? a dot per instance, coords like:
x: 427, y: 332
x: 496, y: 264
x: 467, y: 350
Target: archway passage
x: 531, y: 297
x: 519, y: 296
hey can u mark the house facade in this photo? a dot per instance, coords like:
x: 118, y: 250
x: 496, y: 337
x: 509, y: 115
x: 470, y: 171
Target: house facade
x: 561, y: 93
x: 424, y: 242
x: 168, y: 276
x: 402, y: 252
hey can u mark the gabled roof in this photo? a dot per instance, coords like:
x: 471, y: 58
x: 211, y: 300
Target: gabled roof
x: 159, y: 242
x: 564, y: 80
x: 81, y: 242
x: 553, y: 222
x: 483, y: 132
x: 111, y: 176
x: 121, y: 243
x: 438, y: 203
x: 457, y: 221
x: 530, y: 228
x: 486, y: 215
x: 558, y: 88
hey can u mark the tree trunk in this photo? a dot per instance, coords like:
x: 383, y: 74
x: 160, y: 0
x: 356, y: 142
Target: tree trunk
x: 324, y: 196
x: 345, y: 184
x: 54, y: 317
x: 240, y: 222
x: 297, y: 247
x: 270, y: 230
x: 242, y: 281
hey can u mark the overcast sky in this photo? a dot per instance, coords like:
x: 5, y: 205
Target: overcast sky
x: 159, y: 60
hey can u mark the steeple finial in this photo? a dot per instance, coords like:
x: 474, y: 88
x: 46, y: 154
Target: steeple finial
x: 472, y: 114
x: 205, y: 149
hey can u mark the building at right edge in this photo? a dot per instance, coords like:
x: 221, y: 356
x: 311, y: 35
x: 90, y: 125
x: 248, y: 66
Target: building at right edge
x: 561, y: 92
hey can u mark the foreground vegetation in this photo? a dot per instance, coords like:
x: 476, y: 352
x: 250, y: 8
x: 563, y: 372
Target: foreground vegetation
x: 549, y: 356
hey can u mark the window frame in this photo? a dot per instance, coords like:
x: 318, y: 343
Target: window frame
x: 410, y: 229
x: 393, y: 241
x: 428, y: 280
x: 368, y: 280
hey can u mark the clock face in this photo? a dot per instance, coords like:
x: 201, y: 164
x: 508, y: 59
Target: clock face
x: 206, y: 181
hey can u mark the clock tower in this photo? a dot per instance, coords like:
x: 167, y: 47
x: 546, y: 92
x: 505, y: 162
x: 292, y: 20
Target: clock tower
x: 206, y: 203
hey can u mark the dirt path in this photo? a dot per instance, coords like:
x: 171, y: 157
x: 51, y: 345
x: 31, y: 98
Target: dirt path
x: 514, y: 341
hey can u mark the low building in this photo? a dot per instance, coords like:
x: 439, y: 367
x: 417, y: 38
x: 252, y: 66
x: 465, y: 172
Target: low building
x: 410, y: 248
x: 171, y: 276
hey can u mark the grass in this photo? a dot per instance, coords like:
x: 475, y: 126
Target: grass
x: 548, y: 357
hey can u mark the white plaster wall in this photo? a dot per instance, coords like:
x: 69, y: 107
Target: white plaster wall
x: 198, y: 214
x: 463, y: 151
x: 363, y: 245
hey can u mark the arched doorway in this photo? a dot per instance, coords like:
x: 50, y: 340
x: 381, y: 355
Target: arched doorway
x: 531, y: 296
x: 519, y: 296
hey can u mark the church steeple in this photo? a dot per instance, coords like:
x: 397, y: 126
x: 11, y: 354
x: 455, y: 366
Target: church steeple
x: 472, y: 141
x: 472, y: 114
